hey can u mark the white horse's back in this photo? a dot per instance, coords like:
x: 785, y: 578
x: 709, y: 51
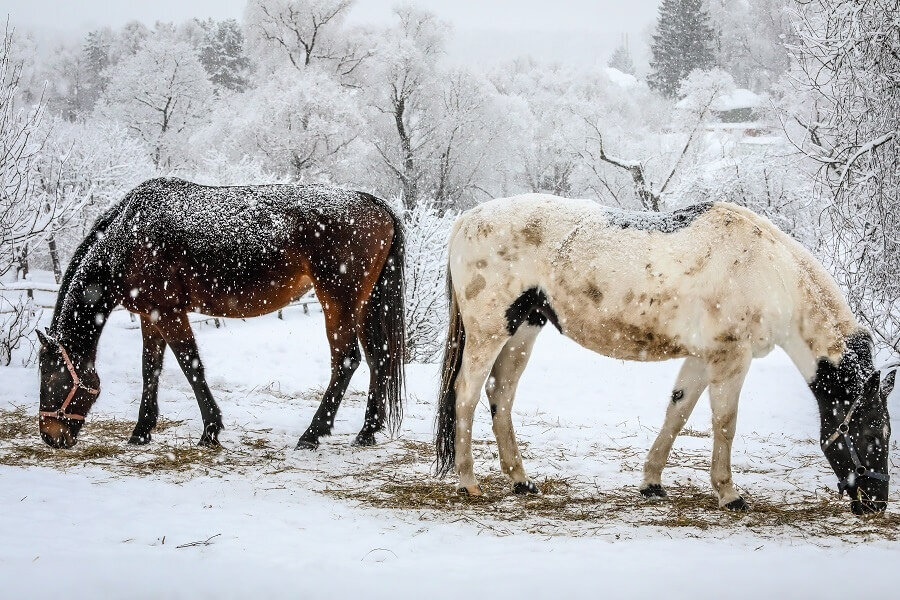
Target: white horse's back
x: 637, y: 286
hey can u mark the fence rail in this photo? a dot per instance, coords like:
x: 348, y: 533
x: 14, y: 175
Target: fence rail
x: 29, y: 287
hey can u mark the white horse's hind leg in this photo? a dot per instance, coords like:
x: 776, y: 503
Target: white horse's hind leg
x: 478, y: 356
x: 689, y: 385
x: 501, y: 391
x: 726, y: 380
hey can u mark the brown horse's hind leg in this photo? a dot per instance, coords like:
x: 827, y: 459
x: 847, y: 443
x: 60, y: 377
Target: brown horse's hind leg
x: 377, y: 357
x: 152, y: 362
x: 344, y: 361
x: 177, y: 332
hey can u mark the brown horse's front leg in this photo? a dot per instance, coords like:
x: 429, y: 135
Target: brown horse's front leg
x: 152, y: 362
x: 177, y: 332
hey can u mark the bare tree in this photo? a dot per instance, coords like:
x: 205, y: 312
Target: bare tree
x: 406, y: 95
x: 306, y: 32
x: 699, y: 91
x: 24, y: 216
x: 848, y: 63
x: 160, y: 93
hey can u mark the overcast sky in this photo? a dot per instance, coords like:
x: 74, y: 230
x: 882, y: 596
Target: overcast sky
x: 556, y: 29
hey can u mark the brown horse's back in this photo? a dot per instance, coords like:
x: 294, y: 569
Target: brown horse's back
x: 245, y: 250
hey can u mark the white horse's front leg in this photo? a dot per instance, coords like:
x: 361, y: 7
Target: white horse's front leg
x: 476, y: 364
x: 726, y: 380
x: 691, y: 382
x: 501, y: 391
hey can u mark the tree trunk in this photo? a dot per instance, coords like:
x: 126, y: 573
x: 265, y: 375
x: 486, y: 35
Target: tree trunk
x: 54, y: 258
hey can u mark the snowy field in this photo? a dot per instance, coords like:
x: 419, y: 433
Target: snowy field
x: 263, y: 520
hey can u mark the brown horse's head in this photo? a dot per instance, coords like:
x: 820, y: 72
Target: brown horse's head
x: 69, y: 389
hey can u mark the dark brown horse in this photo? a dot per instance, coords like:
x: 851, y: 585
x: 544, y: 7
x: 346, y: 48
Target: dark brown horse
x: 171, y: 247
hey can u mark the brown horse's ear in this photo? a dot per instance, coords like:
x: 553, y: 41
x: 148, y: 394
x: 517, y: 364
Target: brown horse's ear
x: 44, y: 339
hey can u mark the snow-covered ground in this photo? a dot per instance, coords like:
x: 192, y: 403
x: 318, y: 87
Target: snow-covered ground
x: 283, y: 523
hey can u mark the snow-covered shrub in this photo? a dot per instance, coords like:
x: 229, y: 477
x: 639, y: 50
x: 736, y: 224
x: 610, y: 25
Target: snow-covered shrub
x: 18, y: 318
x: 765, y: 179
x: 426, y: 289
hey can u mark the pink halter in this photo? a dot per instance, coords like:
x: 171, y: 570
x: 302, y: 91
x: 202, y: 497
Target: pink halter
x: 76, y: 385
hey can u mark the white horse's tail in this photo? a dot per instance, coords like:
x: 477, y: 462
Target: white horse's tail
x: 445, y: 430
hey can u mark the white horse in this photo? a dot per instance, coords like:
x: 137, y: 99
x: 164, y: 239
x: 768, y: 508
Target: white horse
x: 714, y: 284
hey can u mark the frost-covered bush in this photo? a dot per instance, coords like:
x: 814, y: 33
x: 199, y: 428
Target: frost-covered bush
x: 766, y: 179
x: 426, y: 296
x: 18, y: 318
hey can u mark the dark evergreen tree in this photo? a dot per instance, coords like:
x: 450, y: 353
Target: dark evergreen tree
x: 684, y: 41
x: 222, y: 54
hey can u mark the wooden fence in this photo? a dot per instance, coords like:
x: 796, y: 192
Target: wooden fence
x: 46, y: 298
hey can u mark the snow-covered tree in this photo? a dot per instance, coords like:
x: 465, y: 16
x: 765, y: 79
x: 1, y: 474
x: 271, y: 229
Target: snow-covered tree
x: 94, y: 63
x: 752, y: 38
x: 302, y: 124
x: 621, y: 59
x: 92, y: 165
x: 160, y: 93
x: 302, y: 33
x: 404, y: 96
x: 683, y: 42
x: 222, y: 54
x: 848, y: 66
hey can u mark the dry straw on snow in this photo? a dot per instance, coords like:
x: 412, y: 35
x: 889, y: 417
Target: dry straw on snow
x: 396, y: 477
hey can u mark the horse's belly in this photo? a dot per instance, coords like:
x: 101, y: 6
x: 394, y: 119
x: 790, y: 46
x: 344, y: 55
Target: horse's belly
x: 625, y: 341
x: 250, y: 300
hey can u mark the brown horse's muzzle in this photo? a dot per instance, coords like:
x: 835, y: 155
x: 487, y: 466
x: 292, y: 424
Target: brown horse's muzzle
x: 58, y: 433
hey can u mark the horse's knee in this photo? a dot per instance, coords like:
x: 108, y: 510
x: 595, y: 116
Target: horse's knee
x: 348, y: 361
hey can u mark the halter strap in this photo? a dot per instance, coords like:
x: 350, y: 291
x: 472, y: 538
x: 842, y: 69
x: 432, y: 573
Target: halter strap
x: 859, y: 469
x: 77, y: 384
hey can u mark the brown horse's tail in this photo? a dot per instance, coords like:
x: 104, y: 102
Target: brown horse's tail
x: 385, y: 323
x: 445, y: 430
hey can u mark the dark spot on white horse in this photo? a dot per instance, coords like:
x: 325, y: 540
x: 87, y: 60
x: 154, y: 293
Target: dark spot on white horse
x: 533, y: 233
x: 532, y: 306
x: 476, y: 285
x: 593, y: 292
x: 493, y: 410
x: 677, y: 395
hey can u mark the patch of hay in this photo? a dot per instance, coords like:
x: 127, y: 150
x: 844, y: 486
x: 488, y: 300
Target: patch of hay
x: 574, y: 507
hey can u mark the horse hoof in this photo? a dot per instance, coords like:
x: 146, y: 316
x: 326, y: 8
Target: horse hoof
x: 472, y: 490
x: 737, y: 505
x: 139, y: 439
x: 525, y: 487
x: 364, y: 439
x: 654, y: 490
x: 209, y: 442
x: 306, y: 444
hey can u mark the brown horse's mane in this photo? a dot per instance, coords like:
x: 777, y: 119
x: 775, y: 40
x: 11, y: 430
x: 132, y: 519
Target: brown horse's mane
x: 100, y: 226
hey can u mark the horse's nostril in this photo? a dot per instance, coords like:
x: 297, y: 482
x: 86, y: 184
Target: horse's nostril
x: 49, y: 440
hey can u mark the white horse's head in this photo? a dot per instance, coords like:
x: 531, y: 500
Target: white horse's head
x: 856, y: 429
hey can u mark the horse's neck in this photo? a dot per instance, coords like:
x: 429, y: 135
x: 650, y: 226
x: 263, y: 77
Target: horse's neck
x: 84, y: 307
x: 823, y: 323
